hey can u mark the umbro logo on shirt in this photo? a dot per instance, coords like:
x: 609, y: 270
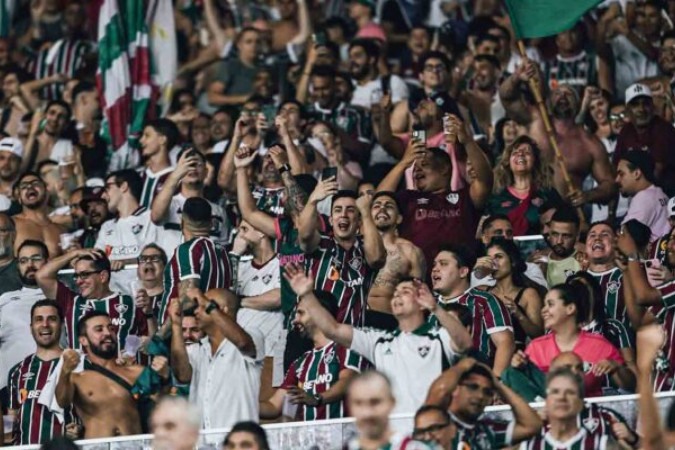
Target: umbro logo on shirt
x: 27, y: 376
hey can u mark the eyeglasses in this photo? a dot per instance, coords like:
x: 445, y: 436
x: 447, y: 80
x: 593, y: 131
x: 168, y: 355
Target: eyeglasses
x: 146, y: 259
x: 85, y: 274
x: 473, y: 387
x: 419, y: 432
x: 30, y: 184
x: 34, y: 259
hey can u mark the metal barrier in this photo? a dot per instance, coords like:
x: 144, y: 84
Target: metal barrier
x: 332, y: 434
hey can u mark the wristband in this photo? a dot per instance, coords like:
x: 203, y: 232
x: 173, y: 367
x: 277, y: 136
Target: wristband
x: 633, y: 257
x: 210, y: 307
x: 283, y: 168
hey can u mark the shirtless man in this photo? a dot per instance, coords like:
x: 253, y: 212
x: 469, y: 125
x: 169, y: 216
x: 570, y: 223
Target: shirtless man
x: 404, y: 260
x: 105, y: 407
x: 584, y: 154
x: 33, y: 222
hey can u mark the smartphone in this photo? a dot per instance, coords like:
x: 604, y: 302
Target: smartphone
x: 328, y: 172
x: 319, y: 39
x: 270, y: 112
x: 420, y: 136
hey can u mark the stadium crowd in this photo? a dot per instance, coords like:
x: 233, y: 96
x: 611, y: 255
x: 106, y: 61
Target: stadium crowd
x: 350, y: 208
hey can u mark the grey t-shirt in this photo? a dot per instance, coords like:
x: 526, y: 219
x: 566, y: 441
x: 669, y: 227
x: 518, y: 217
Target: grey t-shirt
x: 9, y: 277
x: 236, y: 76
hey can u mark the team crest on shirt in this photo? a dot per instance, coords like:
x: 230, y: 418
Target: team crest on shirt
x: 613, y: 287
x: 137, y: 228
x: 506, y: 204
x: 267, y: 278
x: 356, y: 263
x: 537, y: 202
x: 89, y: 306
x: 121, y: 308
x: 569, y: 273
x: 452, y: 198
x: 591, y: 424
x: 342, y: 122
x: 423, y: 350
x: 329, y: 357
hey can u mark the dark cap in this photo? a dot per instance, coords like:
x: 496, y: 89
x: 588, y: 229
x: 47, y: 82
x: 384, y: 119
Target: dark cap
x: 91, y: 194
x: 643, y: 160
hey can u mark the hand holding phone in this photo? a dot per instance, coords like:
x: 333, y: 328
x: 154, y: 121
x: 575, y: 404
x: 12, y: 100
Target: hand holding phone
x: 329, y: 172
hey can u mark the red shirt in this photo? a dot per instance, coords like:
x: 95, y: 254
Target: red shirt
x: 431, y: 220
x: 591, y: 348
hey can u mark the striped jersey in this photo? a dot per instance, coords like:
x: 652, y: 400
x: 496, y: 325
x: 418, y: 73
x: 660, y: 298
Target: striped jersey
x: 199, y: 258
x: 270, y: 201
x: 612, y: 330
x: 664, y: 372
x: 611, y: 284
x: 353, y: 121
x: 485, y: 434
x: 396, y: 442
x: 345, y: 274
x: 316, y: 372
x: 583, y: 440
x: 125, y: 316
x: 577, y: 71
x: 289, y: 252
x: 489, y: 316
x: 65, y: 56
x: 34, y: 424
x: 152, y: 183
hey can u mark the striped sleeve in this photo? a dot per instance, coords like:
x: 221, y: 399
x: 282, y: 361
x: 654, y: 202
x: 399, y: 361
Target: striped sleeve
x: 291, y: 379
x: 496, y: 316
x: 13, y: 387
x: 189, y: 257
x: 351, y: 360
x: 667, y: 292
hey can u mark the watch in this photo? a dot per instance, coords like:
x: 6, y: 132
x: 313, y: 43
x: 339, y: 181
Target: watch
x: 633, y: 257
x: 319, y: 400
x: 284, y: 168
x: 210, y: 307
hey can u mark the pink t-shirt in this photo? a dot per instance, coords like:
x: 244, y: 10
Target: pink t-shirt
x: 591, y: 348
x: 372, y: 31
x: 458, y: 168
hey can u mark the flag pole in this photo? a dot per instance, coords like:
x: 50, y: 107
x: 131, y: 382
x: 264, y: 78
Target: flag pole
x: 550, y: 132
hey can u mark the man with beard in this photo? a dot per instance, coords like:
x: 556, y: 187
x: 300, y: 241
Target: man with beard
x: 482, y: 93
x: 635, y: 177
x: 344, y: 262
x: 96, y: 210
x: 11, y: 154
x: 50, y: 143
x: 33, y: 221
x: 87, y: 117
x: 188, y: 180
x: 404, y: 260
x: 35, y: 424
x: 466, y: 389
x: 370, y: 401
x: 15, y: 307
x: 583, y: 153
x: 92, y: 277
x: 562, y: 259
x: 151, y: 264
x: 159, y: 137
x: 646, y: 131
x: 105, y: 395
x: 316, y: 381
x: 363, y: 57
x: 9, y: 269
x: 434, y: 426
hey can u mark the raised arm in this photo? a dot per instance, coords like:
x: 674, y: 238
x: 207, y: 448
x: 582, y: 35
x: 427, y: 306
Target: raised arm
x: 247, y: 207
x: 213, y: 26
x: 180, y: 362
x: 296, y: 197
x: 308, y: 223
x: 303, y: 286
x: 65, y: 387
x: 440, y: 391
x: 603, y: 173
x: 527, y: 420
x: 225, y: 178
x: 162, y: 202
x: 460, y: 338
x: 510, y: 95
x: 47, y: 276
x: 643, y: 292
x: 381, y: 119
x: 414, y: 150
x: 304, y: 25
x: 373, y: 246
x: 295, y: 159
x: 303, y: 83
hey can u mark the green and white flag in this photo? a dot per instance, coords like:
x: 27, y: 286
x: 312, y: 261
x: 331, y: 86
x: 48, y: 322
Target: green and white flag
x: 540, y: 18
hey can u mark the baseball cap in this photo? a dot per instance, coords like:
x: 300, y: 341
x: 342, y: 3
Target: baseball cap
x: 671, y: 207
x: 90, y: 194
x: 11, y: 145
x: 369, y: 3
x: 642, y: 160
x: 637, y: 90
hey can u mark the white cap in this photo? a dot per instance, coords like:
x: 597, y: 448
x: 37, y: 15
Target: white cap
x: 94, y: 182
x: 12, y: 145
x: 637, y: 90
x: 671, y: 207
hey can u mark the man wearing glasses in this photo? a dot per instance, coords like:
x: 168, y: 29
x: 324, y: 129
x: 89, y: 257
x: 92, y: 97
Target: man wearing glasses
x: 33, y: 221
x: 92, y: 277
x: 434, y: 426
x: 16, y: 341
x: 151, y: 264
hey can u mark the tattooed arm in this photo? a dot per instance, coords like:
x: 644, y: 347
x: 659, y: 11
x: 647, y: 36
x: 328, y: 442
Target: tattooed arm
x: 296, y: 197
x: 183, y: 288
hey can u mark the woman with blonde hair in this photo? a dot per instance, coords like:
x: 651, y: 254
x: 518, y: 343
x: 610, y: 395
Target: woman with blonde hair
x: 523, y: 182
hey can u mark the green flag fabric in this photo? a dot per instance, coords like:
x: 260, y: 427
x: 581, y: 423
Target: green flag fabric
x: 540, y: 18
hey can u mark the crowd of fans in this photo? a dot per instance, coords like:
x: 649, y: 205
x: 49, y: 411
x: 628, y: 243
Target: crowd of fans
x: 349, y: 209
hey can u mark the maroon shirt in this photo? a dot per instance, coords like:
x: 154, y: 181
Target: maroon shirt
x: 431, y: 220
x: 658, y: 139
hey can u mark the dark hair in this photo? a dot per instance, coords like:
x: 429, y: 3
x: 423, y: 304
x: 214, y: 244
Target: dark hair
x: 253, y: 428
x: 189, y: 148
x: 101, y: 264
x: 131, y: 178
x: 323, y: 71
x: 82, y: 323
x: 33, y: 243
x: 594, y: 297
x: 463, y: 255
x: 46, y: 303
x: 640, y: 232
x: 343, y: 193
x: 46, y: 162
x: 486, y: 37
x: 566, y: 214
x: 162, y: 253
x: 82, y: 87
x: 573, y: 294
x: 487, y: 223
x: 292, y: 101
x: 368, y: 45
x: 28, y: 173
x: 335, y: 22
x: 518, y: 265
x: 175, y: 105
x: 479, y: 370
x: 491, y: 59
x: 166, y: 128
x: 435, y: 408
x: 601, y: 222
x: 60, y: 103
x: 198, y: 211
x: 244, y: 30
x: 433, y: 54
x: 667, y: 35
x: 328, y: 301
x: 391, y: 195
x: 22, y: 75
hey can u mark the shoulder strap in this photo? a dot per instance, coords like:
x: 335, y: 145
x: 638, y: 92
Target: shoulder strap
x: 385, y: 81
x: 88, y: 365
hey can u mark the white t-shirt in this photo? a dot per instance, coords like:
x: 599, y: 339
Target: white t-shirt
x: 649, y: 207
x: 16, y: 341
x: 412, y: 361
x: 631, y: 64
x: 62, y: 151
x: 251, y: 281
x: 226, y: 386
x: 362, y: 93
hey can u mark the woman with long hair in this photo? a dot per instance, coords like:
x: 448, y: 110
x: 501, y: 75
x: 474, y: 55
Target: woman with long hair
x: 523, y: 182
x: 515, y: 290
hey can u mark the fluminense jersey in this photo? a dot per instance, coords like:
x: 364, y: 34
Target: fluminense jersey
x: 576, y: 71
x: 35, y: 424
x: 316, y: 372
x: 270, y: 201
x: 289, y: 252
x: 485, y: 434
x: 664, y: 372
x: 125, y: 316
x: 353, y: 121
x: 125, y: 238
x: 171, y: 235
x: 345, y: 274
x: 152, y: 184
x: 397, y: 442
x: 200, y: 258
x: 659, y: 249
x: 489, y: 316
x: 583, y: 440
x: 611, y: 284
